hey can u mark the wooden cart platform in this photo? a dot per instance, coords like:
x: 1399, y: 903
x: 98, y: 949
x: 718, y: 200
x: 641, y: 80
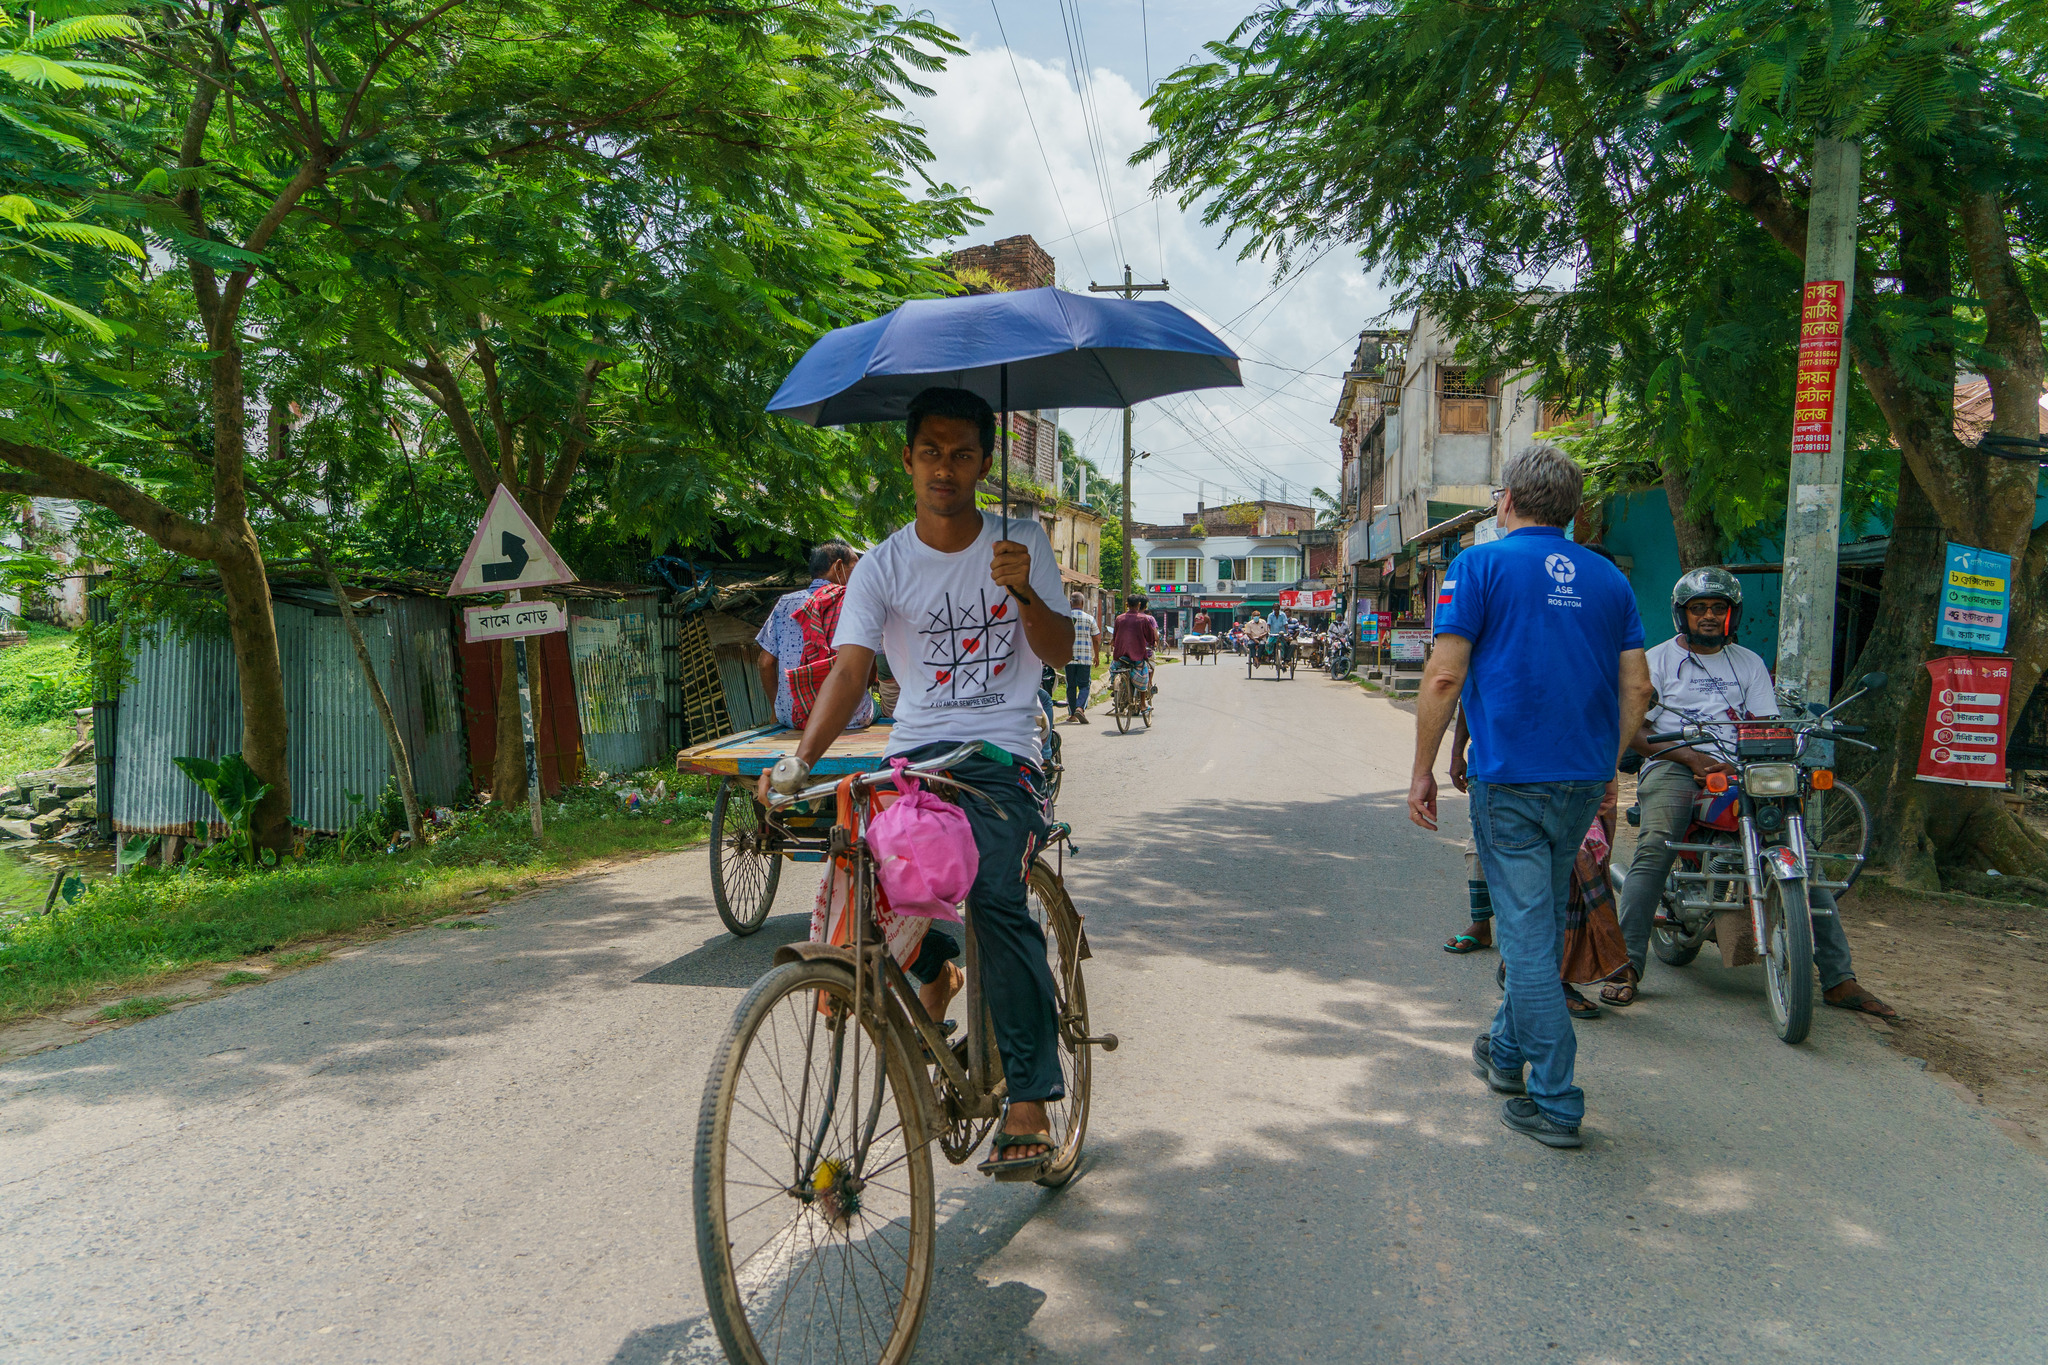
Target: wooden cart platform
x: 753, y: 752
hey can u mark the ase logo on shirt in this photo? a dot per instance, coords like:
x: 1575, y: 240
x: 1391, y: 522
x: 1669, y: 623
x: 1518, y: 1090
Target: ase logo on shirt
x: 1562, y: 571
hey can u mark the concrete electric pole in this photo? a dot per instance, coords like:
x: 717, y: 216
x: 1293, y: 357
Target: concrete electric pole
x: 1820, y: 411
x: 1128, y: 290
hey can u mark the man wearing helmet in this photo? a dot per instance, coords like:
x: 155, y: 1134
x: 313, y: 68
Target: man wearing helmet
x: 1704, y: 678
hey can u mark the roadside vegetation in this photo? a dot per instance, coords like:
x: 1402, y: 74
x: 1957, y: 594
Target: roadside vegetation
x: 149, y: 923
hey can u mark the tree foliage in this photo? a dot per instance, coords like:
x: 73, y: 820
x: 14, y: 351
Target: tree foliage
x: 1615, y: 197
x: 403, y: 253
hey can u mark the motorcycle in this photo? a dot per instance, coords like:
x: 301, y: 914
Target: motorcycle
x: 1751, y: 850
x: 1340, y: 658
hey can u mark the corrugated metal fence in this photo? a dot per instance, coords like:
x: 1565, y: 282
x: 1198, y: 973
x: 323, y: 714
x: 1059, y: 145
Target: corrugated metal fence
x: 184, y: 701
x: 621, y: 701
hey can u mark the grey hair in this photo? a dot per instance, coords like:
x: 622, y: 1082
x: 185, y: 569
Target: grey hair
x: 830, y: 553
x: 1075, y: 599
x: 1547, y: 484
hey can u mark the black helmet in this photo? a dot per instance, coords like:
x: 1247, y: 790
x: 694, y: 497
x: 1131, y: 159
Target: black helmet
x: 1713, y: 581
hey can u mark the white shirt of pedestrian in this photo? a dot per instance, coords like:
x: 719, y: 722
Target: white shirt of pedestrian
x: 1710, y: 690
x: 954, y: 639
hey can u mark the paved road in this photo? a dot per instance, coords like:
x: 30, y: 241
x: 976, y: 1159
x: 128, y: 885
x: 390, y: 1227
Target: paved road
x: 473, y: 1145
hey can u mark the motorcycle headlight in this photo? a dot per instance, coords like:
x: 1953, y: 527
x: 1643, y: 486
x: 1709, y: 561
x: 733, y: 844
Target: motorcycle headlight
x: 1771, y: 779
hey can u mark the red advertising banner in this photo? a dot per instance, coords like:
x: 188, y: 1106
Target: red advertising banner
x: 1964, y: 744
x: 1821, y: 316
x: 1309, y: 599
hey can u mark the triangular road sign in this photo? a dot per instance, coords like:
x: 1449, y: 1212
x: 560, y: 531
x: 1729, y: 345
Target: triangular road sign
x: 509, y: 552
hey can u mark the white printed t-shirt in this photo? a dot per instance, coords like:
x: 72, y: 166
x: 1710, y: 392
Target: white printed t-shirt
x: 954, y: 639
x: 1702, y: 689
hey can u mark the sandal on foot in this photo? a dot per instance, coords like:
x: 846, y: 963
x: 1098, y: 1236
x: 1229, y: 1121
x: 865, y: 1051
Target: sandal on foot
x: 1861, y: 1001
x: 1018, y: 1167
x: 1579, y: 1006
x: 1618, y: 994
x: 1465, y: 943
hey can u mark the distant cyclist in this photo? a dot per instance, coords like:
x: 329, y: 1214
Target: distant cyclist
x: 1132, y: 642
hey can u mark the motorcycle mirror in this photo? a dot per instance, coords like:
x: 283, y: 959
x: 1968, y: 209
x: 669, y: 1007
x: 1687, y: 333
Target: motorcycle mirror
x: 1874, y: 682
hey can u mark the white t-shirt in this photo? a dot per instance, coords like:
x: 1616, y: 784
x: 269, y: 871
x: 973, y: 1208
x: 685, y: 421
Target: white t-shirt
x: 955, y: 641
x: 1702, y: 689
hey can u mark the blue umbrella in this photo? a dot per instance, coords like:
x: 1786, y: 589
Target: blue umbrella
x: 1034, y: 348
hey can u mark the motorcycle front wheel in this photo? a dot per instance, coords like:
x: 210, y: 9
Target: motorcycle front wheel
x: 1788, y: 959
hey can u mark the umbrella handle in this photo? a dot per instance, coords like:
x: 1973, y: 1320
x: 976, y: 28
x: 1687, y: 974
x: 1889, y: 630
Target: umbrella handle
x: 1023, y: 598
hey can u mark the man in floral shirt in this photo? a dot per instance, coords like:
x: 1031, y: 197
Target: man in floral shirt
x: 782, y: 641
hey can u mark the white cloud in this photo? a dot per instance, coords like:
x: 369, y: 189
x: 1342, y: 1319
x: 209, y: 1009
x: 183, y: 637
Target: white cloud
x: 1277, y: 427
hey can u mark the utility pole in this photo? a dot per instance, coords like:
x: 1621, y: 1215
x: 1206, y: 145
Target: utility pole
x: 1820, y: 411
x: 1129, y: 290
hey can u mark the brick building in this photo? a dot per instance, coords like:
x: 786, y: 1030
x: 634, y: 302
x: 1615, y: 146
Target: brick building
x: 1001, y: 267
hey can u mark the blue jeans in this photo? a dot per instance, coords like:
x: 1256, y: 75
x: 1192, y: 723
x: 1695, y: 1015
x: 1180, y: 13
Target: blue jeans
x: 1528, y: 836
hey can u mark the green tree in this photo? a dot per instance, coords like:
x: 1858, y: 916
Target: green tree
x: 414, y: 234
x: 1475, y: 152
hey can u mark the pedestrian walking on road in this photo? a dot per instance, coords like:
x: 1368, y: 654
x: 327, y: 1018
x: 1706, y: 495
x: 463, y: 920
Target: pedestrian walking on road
x: 1541, y: 640
x: 1087, y: 653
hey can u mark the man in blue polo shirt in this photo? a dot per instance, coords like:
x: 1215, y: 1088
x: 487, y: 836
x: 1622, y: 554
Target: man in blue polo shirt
x: 1541, y: 641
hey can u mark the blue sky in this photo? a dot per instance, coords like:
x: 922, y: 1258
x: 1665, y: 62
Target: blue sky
x: 1040, y: 165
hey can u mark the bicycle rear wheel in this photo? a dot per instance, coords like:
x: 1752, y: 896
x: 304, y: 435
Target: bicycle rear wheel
x: 1122, y: 705
x: 813, y: 1181
x: 1064, y: 949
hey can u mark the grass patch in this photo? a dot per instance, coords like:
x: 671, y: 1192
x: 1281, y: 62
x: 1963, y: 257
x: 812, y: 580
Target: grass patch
x: 142, y: 1007
x: 40, y: 684
x: 287, y: 961
x: 241, y: 979
x: 131, y: 930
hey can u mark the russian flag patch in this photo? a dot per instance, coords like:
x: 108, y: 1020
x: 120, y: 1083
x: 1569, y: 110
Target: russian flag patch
x: 1443, y: 594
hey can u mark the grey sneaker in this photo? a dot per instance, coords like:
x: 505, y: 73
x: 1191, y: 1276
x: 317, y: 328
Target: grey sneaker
x: 1502, y: 1082
x: 1523, y: 1116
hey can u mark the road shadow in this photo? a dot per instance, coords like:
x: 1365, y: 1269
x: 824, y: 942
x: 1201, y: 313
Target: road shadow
x: 388, y: 1011
x: 730, y: 960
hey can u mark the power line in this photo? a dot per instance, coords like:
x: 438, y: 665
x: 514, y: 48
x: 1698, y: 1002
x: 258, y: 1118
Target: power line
x: 1145, y: 28
x: 1032, y: 118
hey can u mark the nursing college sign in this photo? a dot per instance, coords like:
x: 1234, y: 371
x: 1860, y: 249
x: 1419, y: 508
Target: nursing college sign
x: 1821, y: 315
x: 1976, y: 600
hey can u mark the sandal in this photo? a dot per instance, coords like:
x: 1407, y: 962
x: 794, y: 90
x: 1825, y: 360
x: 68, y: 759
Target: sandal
x: 1465, y: 943
x: 1860, y: 1000
x: 1579, y: 1006
x: 1619, y: 994
x: 1018, y: 1167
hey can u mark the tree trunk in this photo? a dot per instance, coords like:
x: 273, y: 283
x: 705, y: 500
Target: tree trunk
x: 253, y: 627
x: 401, y: 761
x: 1698, y: 537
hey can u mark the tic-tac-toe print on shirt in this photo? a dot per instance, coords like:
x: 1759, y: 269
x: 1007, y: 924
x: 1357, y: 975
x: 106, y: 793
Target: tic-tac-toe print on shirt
x: 968, y: 645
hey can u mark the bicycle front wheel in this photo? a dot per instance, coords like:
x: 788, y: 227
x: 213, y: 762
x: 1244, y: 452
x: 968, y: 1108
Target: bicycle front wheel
x: 813, y: 1181
x: 1844, y: 831
x: 1065, y: 946
x: 1123, y: 704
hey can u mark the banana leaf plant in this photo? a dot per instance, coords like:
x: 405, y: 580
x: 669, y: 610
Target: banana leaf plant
x: 234, y: 789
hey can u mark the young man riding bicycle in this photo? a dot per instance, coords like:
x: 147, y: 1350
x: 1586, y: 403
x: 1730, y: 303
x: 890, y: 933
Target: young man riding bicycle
x: 966, y: 618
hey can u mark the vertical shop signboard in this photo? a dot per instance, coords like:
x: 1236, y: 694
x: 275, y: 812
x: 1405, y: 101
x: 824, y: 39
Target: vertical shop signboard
x: 1967, y: 713
x: 1976, y: 599
x: 1820, y: 356
x: 1368, y: 626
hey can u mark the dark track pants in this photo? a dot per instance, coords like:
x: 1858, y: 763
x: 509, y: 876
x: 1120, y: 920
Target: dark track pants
x: 1016, y: 978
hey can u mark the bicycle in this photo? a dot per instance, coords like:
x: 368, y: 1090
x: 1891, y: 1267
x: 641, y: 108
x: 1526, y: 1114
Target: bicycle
x: 1130, y: 691
x: 813, y: 1195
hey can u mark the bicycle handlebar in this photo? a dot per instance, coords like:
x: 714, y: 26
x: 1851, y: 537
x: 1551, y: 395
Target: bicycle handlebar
x: 930, y: 768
